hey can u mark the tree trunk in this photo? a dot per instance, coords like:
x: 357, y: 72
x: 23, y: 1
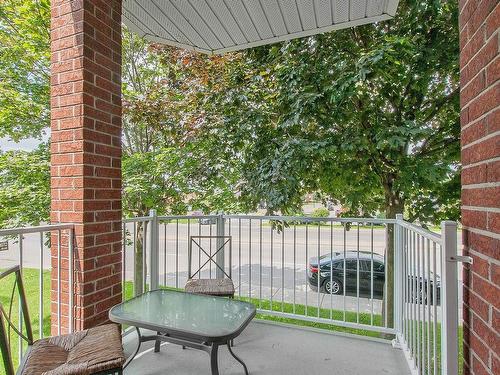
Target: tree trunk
x: 393, y: 205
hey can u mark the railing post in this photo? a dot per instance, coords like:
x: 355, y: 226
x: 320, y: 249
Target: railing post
x: 154, y: 241
x: 398, y: 278
x: 449, y: 299
x: 220, y: 258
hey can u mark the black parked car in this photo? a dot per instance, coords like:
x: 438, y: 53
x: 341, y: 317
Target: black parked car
x: 334, y: 283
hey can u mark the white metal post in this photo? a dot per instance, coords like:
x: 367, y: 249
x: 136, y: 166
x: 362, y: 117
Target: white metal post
x: 398, y: 280
x: 220, y: 258
x: 449, y: 299
x: 154, y: 250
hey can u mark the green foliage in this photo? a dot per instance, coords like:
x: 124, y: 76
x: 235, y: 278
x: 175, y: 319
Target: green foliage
x: 32, y: 290
x: 24, y: 187
x: 368, y: 116
x: 24, y: 68
x: 320, y: 212
x: 168, y: 164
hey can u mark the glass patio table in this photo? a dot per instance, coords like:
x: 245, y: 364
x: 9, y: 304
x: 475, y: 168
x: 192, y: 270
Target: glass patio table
x: 190, y: 320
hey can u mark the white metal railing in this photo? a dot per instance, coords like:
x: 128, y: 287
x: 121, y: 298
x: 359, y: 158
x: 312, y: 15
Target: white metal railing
x: 41, y: 239
x: 272, y: 255
x: 271, y: 260
x: 276, y: 263
x: 427, y: 290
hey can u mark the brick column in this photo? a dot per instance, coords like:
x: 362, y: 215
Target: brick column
x: 86, y: 152
x: 480, y: 119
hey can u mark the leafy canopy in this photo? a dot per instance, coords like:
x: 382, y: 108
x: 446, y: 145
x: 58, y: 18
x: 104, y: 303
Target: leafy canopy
x: 24, y: 68
x: 167, y: 165
x: 24, y: 187
x: 366, y: 116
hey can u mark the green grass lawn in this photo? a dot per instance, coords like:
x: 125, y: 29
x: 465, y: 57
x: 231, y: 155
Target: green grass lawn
x: 31, y: 286
x: 31, y: 283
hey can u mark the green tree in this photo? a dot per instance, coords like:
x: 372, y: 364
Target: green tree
x: 24, y: 68
x: 24, y: 187
x: 24, y: 110
x: 166, y: 164
x: 368, y: 116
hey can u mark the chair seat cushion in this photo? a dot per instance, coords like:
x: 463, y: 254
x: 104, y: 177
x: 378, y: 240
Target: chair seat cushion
x: 213, y: 287
x: 80, y: 353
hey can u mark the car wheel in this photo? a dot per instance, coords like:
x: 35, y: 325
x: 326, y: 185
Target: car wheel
x: 333, y: 286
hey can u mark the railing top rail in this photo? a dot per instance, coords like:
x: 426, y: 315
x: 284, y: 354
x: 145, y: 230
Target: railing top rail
x: 185, y: 217
x: 435, y: 237
x: 34, y: 229
x: 314, y: 219
x: 136, y: 219
x: 361, y: 220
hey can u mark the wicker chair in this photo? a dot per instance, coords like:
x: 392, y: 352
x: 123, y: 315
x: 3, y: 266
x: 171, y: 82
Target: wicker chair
x: 93, y: 351
x: 223, y: 287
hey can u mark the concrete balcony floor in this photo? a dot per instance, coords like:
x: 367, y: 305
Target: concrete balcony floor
x: 275, y: 349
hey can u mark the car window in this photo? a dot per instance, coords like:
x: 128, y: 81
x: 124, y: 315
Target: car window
x: 333, y: 265
x: 378, y: 267
x: 338, y: 265
x: 351, y: 265
x: 365, y: 265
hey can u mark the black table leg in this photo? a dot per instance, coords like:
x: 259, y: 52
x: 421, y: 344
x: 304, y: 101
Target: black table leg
x: 213, y: 359
x: 239, y: 360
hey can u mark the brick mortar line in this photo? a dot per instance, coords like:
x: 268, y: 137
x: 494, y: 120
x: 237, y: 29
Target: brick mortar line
x: 481, y: 185
x: 482, y: 117
x: 82, y: 90
x: 483, y: 342
x: 471, y: 290
x: 482, y: 209
x: 465, y: 6
x: 479, y: 163
x: 482, y: 232
x: 484, y: 257
x: 483, y: 301
x: 480, y: 94
x: 485, y: 42
x: 73, y: 37
x: 460, y: 11
x: 462, y: 88
x: 484, y: 280
x: 95, y: 304
x: 474, y: 35
x: 98, y: 142
x: 483, y: 69
x: 476, y: 357
x: 96, y: 280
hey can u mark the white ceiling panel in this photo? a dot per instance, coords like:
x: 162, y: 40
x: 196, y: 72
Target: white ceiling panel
x: 222, y: 12
x: 259, y: 18
x: 211, y: 19
x: 273, y: 13
x: 291, y: 16
x: 307, y: 14
x: 243, y: 19
x: 357, y: 9
x: 375, y: 7
x: 340, y: 11
x: 323, y: 10
x: 200, y: 25
x: 218, y: 26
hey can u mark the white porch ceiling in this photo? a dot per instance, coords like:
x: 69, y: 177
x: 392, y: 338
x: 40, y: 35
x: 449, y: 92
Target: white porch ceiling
x: 218, y: 26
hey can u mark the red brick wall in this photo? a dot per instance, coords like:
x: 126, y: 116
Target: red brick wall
x: 86, y: 152
x: 480, y: 119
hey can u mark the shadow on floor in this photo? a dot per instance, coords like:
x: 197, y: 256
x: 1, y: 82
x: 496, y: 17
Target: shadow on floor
x: 275, y: 349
